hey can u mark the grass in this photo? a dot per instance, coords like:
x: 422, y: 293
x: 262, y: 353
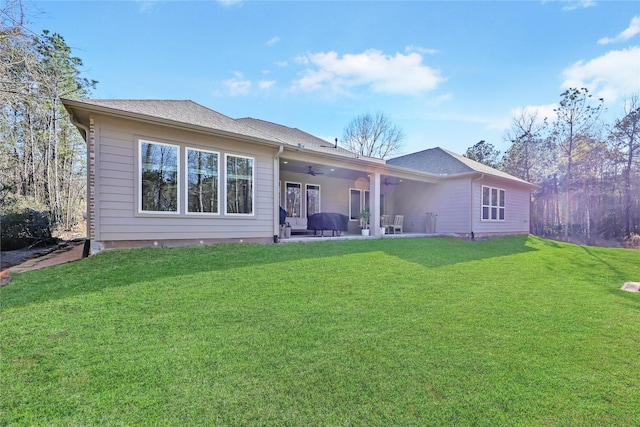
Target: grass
x: 508, y: 331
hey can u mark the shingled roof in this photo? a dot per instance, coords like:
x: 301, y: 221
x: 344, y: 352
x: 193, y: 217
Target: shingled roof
x: 187, y: 112
x: 298, y: 138
x: 444, y: 162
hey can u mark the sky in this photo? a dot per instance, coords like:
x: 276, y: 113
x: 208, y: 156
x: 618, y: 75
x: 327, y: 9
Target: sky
x: 448, y: 73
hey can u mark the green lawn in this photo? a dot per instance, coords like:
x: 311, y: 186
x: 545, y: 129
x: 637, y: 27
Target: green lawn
x: 441, y: 331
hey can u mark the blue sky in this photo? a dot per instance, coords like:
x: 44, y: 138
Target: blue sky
x: 448, y: 73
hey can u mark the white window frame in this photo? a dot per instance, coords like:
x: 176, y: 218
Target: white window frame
x: 301, y: 201
x: 499, y: 207
x: 253, y: 185
x: 186, y: 182
x: 355, y: 217
x: 306, y: 197
x: 142, y: 141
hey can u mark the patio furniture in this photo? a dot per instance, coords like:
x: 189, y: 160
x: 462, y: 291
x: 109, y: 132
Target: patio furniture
x: 385, y: 222
x: 397, y: 223
x: 328, y: 221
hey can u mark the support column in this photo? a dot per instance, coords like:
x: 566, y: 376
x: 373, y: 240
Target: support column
x: 374, y: 202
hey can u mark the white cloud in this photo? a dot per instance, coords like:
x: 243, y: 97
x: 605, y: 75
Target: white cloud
x: 610, y: 76
x: 273, y: 41
x: 238, y: 85
x: 399, y: 74
x: 420, y: 50
x: 282, y: 63
x: 146, y: 5
x: 266, y: 84
x: 444, y: 98
x: 229, y: 3
x: 577, y: 4
x: 630, y: 31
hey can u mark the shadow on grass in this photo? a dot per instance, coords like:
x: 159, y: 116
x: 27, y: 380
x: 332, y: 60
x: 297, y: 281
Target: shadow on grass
x: 126, y: 267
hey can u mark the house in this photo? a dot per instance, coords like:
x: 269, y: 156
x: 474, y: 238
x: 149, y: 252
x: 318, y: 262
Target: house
x: 170, y: 173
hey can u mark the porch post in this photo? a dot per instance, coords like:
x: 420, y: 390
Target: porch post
x: 374, y: 202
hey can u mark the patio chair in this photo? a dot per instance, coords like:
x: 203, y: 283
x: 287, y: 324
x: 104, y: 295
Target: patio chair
x: 385, y: 222
x: 397, y: 223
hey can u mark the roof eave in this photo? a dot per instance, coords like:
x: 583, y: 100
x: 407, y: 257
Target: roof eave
x: 70, y: 105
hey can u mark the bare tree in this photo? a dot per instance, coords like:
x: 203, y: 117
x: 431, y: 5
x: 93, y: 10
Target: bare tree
x: 626, y: 140
x: 373, y: 136
x: 576, y: 116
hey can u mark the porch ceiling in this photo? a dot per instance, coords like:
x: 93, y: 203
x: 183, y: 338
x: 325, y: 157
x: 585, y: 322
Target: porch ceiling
x: 326, y: 170
x: 339, y: 169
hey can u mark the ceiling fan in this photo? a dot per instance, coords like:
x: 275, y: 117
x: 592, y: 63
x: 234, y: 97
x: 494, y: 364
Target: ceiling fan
x: 313, y: 173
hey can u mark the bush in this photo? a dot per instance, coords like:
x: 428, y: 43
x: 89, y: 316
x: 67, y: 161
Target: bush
x: 22, y: 226
x: 633, y: 241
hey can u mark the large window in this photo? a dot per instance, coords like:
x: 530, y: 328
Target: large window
x: 202, y: 181
x: 355, y: 204
x: 293, y: 201
x: 158, y: 177
x: 493, y: 204
x: 313, y: 199
x: 239, y: 174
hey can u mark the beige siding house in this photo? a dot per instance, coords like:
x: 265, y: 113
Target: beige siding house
x: 169, y: 173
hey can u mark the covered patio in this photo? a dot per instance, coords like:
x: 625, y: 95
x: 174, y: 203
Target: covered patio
x: 347, y: 186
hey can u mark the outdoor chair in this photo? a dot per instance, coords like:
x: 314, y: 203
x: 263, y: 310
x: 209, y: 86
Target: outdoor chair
x: 397, y: 223
x: 385, y: 222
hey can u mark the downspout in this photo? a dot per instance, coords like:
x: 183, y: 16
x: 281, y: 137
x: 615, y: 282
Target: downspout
x: 472, y: 234
x: 87, y: 242
x: 77, y: 124
x: 276, y: 199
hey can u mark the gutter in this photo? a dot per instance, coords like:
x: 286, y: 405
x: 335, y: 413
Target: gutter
x: 276, y: 199
x: 471, y: 204
x: 86, y: 251
x: 80, y: 126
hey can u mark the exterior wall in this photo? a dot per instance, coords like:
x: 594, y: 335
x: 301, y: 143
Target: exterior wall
x: 458, y: 207
x: 517, y: 209
x: 116, y: 217
x: 449, y: 200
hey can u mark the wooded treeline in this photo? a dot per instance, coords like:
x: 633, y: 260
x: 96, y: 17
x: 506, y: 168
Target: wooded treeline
x: 42, y: 156
x: 588, y: 171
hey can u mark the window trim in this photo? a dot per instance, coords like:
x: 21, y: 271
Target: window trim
x: 306, y: 198
x: 302, y: 210
x: 253, y: 186
x: 186, y: 182
x: 357, y: 216
x: 178, y: 210
x: 499, y: 207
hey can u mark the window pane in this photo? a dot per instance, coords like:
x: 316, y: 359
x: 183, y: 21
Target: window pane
x: 313, y: 199
x: 501, y: 203
x: 202, y: 181
x: 239, y: 185
x: 501, y: 213
x: 485, y: 212
x: 485, y: 196
x: 354, y: 204
x: 494, y: 197
x: 293, y: 203
x: 494, y: 213
x: 159, y: 177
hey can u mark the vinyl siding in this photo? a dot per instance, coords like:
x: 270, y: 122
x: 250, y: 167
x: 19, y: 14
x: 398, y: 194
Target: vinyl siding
x: 117, y: 216
x: 517, y: 202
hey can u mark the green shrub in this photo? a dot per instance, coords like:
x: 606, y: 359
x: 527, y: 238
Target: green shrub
x: 21, y: 225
